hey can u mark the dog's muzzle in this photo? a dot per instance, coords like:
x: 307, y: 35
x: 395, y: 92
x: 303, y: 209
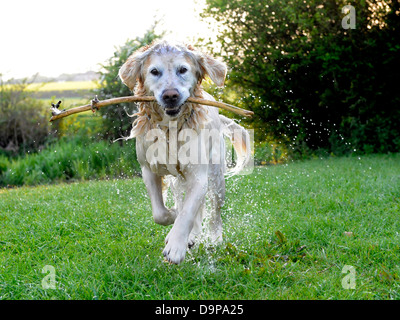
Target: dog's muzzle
x: 171, y: 99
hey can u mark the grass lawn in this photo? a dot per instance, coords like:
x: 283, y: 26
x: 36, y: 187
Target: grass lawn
x: 290, y: 230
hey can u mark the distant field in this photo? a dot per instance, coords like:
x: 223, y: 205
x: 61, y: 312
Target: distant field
x: 64, y: 90
x: 66, y: 102
x: 63, y: 86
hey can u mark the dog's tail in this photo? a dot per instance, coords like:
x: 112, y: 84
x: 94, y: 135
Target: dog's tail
x: 240, y: 139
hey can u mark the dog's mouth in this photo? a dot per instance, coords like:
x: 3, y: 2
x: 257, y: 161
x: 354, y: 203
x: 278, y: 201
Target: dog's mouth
x: 173, y: 111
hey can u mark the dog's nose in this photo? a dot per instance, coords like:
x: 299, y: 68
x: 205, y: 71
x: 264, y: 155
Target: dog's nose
x: 171, y: 96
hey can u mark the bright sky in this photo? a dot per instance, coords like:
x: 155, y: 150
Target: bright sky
x: 54, y: 37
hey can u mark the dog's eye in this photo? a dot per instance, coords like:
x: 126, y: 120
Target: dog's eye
x: 155, y: 72
x: 182, y: 70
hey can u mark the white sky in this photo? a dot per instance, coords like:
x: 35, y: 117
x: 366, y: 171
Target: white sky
x: 52, y: 37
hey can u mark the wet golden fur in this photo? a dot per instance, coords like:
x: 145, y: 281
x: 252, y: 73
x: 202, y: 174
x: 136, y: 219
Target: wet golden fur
x: 190, y: 182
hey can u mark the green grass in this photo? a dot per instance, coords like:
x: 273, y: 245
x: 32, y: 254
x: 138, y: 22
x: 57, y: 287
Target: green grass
x: 289, y: 231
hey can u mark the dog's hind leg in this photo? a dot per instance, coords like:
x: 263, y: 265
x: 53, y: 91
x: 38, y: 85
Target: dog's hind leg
x: 197, y: 225
x: 217, y: 198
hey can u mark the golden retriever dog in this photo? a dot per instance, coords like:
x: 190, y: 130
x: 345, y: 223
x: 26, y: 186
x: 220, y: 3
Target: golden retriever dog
x: 179, y: 144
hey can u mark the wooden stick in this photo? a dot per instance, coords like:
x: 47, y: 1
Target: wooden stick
x: 96, y: 104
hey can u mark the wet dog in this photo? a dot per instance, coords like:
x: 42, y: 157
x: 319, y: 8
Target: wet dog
x: 181, y: 140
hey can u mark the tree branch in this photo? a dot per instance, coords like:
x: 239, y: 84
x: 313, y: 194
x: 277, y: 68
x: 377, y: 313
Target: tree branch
x: 96, y: 104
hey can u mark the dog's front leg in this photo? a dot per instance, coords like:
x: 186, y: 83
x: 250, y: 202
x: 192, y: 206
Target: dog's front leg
x: 177, y: 239
x: 161, y: 214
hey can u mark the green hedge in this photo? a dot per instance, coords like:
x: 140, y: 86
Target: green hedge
x: 70, y: 159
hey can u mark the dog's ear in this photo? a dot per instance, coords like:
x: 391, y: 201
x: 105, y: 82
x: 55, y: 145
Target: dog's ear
x: 130, y: 70
x: 207, y: 65
x: 215, y: 69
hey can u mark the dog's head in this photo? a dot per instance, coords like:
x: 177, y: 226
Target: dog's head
x: 170, y: 73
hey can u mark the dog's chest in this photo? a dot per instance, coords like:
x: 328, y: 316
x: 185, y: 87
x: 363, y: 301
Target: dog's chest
x: 168, y: 152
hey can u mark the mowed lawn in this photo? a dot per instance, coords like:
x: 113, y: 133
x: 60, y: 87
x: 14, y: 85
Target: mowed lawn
x: 290, y: 232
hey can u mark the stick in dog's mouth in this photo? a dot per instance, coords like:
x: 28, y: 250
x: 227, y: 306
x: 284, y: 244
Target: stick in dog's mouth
x: 96, y: 104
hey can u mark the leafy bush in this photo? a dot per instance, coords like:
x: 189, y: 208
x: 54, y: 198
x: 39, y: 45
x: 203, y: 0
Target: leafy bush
x: 4, y: 163
x: 71, y: 159
x: 267, y: 152
x: 311, y: 83
x: 116, y: 123
x: 23, y: 122
x: 84, y: 125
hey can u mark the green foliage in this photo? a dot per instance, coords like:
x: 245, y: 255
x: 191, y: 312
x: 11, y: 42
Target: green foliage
x: 4, y: 163
x: 85, y: 125
x: 69, y: 159
x: 311, y: 83
x: 116, y: 122
x: 23, y: 122
x: 267, y: 152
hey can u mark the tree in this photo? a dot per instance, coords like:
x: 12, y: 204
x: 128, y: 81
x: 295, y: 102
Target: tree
x: 311, y: 83
x: 23, y: 121
x: 116, y: 122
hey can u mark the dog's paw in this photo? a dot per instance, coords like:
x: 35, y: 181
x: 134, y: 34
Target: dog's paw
x: 191, y: 241
x: 193, y: 237
x: 175, y: 251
